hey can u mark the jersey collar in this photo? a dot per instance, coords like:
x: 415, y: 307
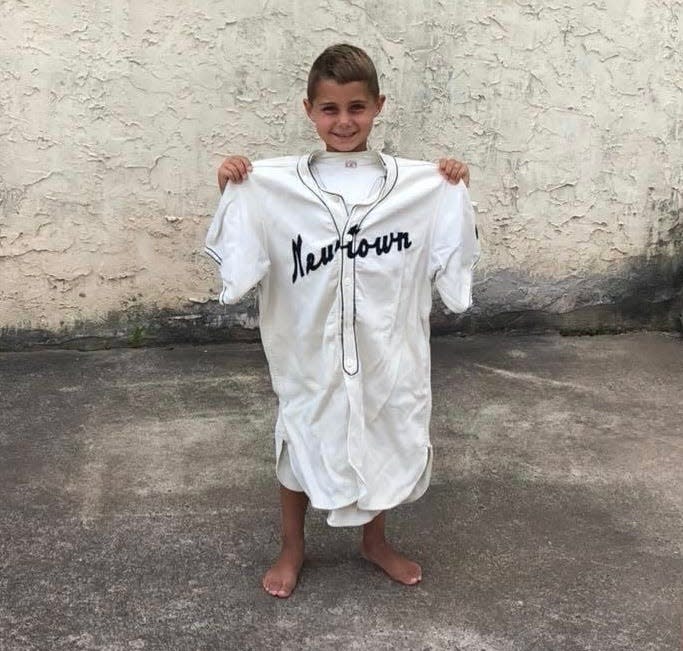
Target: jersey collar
x: 341, y: 220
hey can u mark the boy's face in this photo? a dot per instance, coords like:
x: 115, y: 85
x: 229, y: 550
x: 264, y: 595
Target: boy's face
x: 343, y: 114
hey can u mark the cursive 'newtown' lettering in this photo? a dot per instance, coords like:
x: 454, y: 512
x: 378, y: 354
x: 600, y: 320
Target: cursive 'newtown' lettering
x: 360, y: 248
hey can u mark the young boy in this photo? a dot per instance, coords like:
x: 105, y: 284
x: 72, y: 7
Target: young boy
x: 344, y: 246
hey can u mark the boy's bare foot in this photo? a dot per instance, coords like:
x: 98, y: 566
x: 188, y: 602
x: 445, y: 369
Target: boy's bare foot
x: 280, y: 580
x: 396, y: 565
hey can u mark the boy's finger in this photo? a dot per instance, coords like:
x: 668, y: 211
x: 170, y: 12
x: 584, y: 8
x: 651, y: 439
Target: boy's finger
x: 233, y: 173
x: 247, y: 162
x: 244, y: 165
x: 222, y: 179
x: 462, y: 174
x: 445, y: 167
x: 450, y: 171
x: 241, y: 167
x: 240, y: 171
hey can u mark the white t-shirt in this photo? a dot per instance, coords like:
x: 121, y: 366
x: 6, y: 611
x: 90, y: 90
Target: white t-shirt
x: 345, y: 295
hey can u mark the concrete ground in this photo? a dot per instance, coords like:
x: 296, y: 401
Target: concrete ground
x: 139, y: 507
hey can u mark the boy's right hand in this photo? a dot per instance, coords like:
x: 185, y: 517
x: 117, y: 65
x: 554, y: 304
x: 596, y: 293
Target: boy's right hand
x: 233, y: 168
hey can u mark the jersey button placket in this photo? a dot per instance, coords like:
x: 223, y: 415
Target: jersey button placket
x: 348, y: 327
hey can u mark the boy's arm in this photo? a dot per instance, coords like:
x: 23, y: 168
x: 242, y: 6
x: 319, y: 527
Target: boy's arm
x: 233, y: 168
x: 454, y: 171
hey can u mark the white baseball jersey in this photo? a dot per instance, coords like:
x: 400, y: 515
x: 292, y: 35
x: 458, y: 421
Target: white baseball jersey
x: 344, y: 301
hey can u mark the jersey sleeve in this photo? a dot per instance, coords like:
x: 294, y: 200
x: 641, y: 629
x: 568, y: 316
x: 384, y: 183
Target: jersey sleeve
x: 454, y: 248
x: 236, y: 241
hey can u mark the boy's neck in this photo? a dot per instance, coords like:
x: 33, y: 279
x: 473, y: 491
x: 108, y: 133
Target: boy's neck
x: 355, y: 151
x: 366, y: 154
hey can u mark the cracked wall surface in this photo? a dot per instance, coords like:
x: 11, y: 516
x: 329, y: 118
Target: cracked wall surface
x: 114, y: 117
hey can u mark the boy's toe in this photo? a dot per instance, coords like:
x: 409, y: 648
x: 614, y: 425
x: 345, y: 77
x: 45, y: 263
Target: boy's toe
x: 270, y: 587
x: 277, y: 588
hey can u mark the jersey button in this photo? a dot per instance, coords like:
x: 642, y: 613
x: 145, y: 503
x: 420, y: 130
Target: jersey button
x: 347, y: 281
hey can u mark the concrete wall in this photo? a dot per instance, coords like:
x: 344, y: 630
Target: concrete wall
x: 114, y: 116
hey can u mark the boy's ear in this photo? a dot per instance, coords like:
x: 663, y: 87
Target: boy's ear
x: 308, y: 106
x: 380, y: 103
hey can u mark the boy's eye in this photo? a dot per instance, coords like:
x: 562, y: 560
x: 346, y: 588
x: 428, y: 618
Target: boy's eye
x: 329, y: 109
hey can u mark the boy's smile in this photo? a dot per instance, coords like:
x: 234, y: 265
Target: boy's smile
x: 343, y: 114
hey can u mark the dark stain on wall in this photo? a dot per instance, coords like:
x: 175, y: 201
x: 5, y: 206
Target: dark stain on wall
x: 646, y: 292
x: 643, y: 292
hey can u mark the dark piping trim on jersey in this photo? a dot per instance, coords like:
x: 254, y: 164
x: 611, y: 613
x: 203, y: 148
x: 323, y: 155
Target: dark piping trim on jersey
x: 385, y: 159
x: 343, y: 347
x: 353, y: 317
x: 318, y: 197
x: 355, y: 339
x: 213, y: 255
x: 317, y: 193
x: 389, y: 191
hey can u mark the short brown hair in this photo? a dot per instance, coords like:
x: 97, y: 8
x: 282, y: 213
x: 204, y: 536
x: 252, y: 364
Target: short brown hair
x: 343, y: 63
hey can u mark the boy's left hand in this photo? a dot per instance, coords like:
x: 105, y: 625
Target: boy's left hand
x: 454, y: 171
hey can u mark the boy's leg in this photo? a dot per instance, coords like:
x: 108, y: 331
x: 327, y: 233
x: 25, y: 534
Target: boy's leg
x: 377, y: 550
x: 280, y: 580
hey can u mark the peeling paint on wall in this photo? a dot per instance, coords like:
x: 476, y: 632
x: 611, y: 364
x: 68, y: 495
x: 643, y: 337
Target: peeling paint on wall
x: 114, y: 117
